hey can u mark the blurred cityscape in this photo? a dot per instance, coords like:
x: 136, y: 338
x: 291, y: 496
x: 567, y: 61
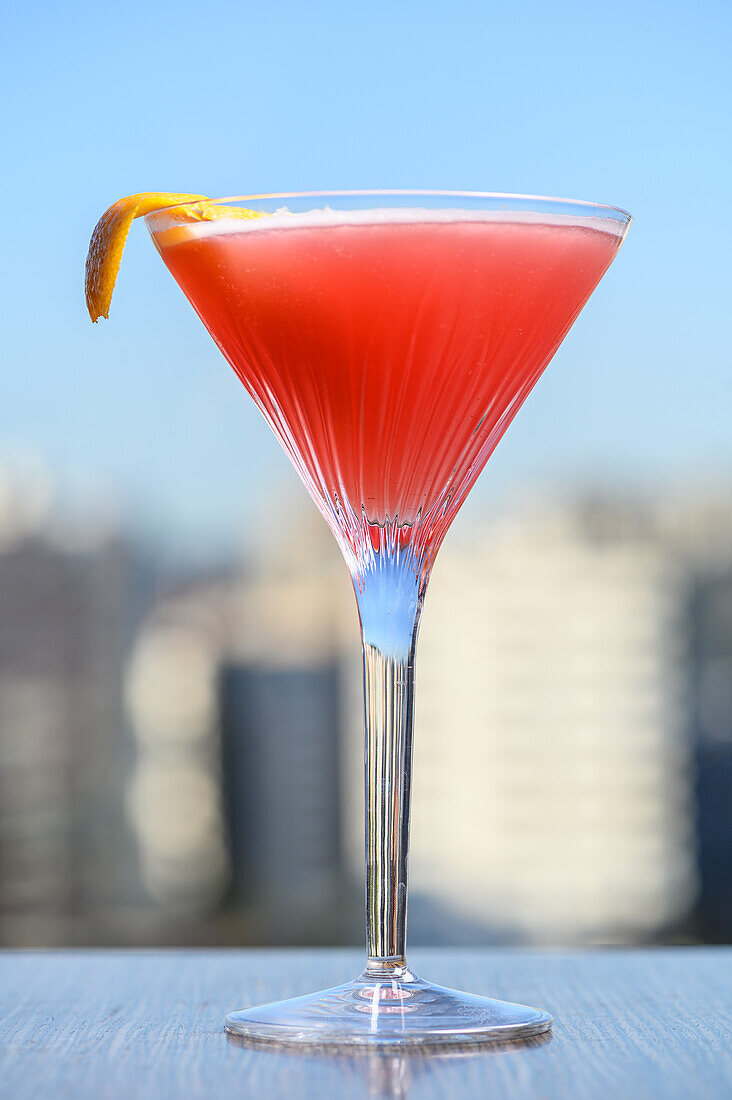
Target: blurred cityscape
x: 180, y: 754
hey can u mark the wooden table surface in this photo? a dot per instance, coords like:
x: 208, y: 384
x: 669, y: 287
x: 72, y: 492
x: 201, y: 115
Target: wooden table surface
x: 138, y: 1025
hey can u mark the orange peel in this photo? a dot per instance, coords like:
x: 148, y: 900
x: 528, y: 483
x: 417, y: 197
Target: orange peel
x: 110, y: 234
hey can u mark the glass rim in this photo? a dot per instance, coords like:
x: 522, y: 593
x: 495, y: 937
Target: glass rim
x: 603, y: 208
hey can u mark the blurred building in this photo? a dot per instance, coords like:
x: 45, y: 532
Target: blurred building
x: 712, y: 701
x: 553, y: 788
x: 174, y: 792
x: 234, y: 696
x: 280, y: 750
x: 703, y: 533
x: 571, y: 736
x: 70, y: 600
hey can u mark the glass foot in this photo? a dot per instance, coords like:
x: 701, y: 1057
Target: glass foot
x: 398, y: 1011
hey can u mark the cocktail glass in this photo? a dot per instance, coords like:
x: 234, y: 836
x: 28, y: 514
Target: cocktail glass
x: 389, y: 338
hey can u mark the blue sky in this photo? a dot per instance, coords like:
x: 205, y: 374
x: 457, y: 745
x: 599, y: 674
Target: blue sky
x: 626, y: 103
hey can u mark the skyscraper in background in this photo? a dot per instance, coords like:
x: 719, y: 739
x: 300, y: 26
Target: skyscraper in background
x: 234, y: 696
x: 555, y: 791
x: 280, y: 763
x: 173, y: 794
x: 71, y: 597
x: 553, y: 788
x: 187, y: 766
x: 704, y: 535
x: 711, y: 610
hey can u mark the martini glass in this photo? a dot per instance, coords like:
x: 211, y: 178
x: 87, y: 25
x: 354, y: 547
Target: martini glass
x: 389, y: 338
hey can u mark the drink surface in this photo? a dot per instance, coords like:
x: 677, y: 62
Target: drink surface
x: 389, y: 350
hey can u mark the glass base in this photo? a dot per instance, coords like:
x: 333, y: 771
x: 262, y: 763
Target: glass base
x: 396, y: 1011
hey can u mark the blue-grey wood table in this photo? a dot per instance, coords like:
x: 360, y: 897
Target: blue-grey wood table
x: 138, y: 1025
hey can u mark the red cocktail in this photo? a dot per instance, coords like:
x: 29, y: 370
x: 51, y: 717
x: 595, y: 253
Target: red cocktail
x: 389, y: 350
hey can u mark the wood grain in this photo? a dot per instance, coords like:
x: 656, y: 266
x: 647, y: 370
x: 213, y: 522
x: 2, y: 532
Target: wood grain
x: 139, y: 1025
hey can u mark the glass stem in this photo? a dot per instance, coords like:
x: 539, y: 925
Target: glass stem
x: 390, y: 596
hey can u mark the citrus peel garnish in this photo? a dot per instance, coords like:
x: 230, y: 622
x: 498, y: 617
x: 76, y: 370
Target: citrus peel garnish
x: 109, y: 237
